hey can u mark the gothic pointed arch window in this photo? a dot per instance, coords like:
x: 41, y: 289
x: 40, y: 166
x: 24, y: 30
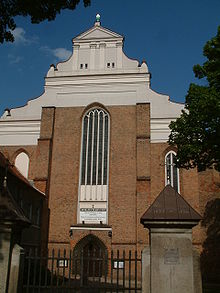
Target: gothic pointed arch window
x: 171, y: 171
x: 22, y: 163
x: 93, y: 187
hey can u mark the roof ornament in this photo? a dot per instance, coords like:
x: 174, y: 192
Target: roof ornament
x: 98, y: 16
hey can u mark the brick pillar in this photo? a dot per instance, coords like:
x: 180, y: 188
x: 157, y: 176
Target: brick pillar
x: 43, y: 166
x: 143, y: 164
x: 44, y: 150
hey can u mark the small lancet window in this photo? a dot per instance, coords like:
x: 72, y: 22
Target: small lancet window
x: 22, y: 163
x: 171, y: 171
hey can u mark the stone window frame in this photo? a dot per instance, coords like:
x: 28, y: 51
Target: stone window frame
x: 90, y: 153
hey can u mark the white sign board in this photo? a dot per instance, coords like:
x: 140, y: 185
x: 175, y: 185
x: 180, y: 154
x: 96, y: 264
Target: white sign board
x: 93, y: 215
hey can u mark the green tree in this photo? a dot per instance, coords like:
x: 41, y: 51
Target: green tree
x: 38, y: 10
x: 197, y: 132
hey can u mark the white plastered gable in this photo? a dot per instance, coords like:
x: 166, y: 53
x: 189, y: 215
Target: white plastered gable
x: 97, y: 71
x: 97, y: 32
x: 98, y: 50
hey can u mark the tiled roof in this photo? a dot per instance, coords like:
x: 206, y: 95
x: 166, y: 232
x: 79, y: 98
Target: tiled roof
x: 15, y: 172
x: 170, y: 205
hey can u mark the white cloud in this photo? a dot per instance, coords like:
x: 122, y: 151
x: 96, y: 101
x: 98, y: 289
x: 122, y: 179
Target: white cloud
x: 14, y: 59
x: 62, y: 53
x: 19, y: 35
x: 59, y: 53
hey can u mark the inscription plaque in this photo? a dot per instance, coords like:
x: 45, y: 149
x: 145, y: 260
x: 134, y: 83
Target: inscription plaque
x: 171, y: 256
x: 93, y: 215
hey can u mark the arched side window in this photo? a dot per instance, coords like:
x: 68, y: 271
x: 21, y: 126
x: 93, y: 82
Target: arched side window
x: 93, y: 187
x: 22, y: 163
x: 171, y: 171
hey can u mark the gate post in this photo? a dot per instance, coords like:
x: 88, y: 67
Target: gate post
x: 5, y: 255
x: 170, y: 220
x: 146, y: 270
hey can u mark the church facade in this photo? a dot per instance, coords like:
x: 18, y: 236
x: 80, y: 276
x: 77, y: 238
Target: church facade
x: 95, y: 142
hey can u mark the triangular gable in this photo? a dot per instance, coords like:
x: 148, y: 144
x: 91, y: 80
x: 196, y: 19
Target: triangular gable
x: 97, y: 32
x: 170, y: 205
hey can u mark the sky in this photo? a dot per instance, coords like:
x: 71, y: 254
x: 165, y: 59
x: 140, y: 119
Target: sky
x: 169, y: 35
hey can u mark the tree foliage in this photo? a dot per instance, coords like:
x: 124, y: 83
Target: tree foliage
x: 210, y: 256
x: 197, y: 132
x: 38, y: 10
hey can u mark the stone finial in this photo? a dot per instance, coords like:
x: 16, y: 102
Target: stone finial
x: 97, y: 17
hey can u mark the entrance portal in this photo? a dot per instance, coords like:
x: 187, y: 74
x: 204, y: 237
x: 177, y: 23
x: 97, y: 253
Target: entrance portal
x: 93, y: 257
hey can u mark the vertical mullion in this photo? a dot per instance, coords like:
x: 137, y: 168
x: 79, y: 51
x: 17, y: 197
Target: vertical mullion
x: 105, y: 151
x: 171, y: 168
x: 91, y: 167
x: 97, y: 154
x: 87, y: 143
x: 103, y: 142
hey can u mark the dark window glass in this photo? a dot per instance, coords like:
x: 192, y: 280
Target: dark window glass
x: 100, y: 149
x: 95, y: 148
x: 84, y: 145
x: 95, y: 140
x: 89, y: 157
x: 105, y: 151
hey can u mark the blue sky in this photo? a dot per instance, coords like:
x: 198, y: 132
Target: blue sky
x: 169, y: 35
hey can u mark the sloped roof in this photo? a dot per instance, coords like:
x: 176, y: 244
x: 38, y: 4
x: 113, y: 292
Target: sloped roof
x: 15, y: 172
x: 170, y: 206
x: 12, y: 169
x: 9, y: 209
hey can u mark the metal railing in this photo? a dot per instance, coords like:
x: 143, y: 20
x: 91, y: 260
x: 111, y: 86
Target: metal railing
x: 86, y: 271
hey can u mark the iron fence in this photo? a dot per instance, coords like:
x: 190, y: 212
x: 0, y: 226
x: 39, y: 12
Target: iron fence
x: 91, y: 271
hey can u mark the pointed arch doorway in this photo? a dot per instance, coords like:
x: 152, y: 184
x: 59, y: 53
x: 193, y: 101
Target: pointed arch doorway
x: 93, y: 257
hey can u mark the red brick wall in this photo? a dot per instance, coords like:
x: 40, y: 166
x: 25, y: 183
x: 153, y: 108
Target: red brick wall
x: 136, y: 174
